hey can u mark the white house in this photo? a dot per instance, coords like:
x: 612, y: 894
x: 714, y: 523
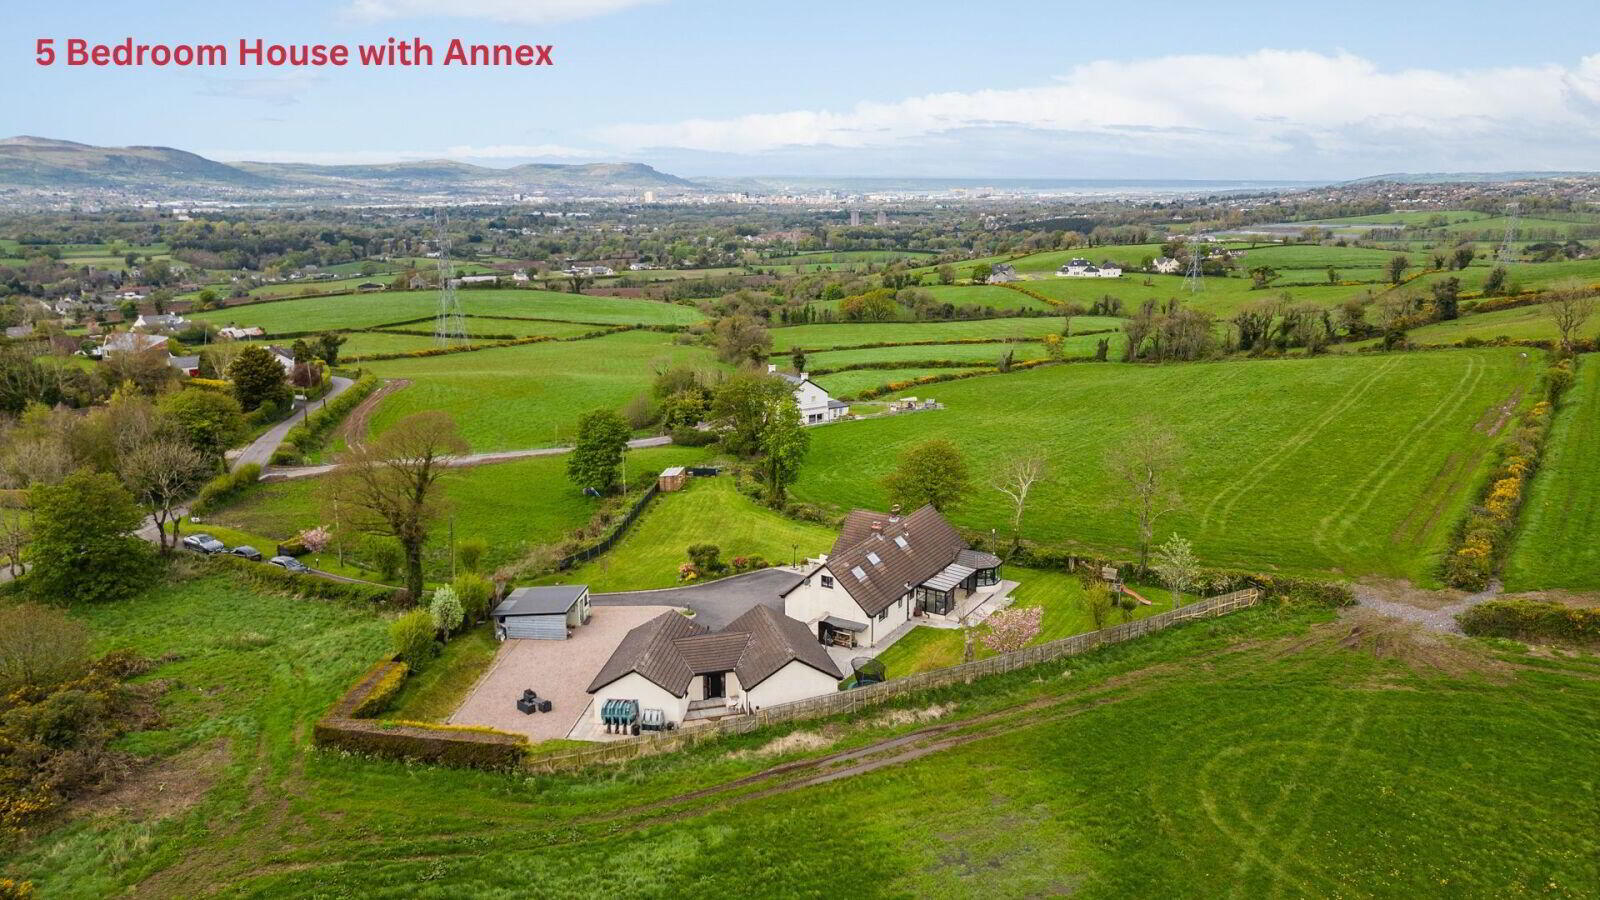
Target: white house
x: 689, y: 672
x: 478, y: 279
x: 128, y: 342
x: 158, y: 322
x: 1078, y: 267
x: 1003, y: 273
x: 887, y: 569
x: 1165, y: 265
x: 816, y: 406
x: 236, y: 333
x: 284, y: 357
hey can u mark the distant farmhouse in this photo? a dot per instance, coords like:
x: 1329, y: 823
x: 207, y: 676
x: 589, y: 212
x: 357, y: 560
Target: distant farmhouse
x: 1165, y: 265
x: 886, y: 570
x: 158, y: 322
x: 1004, y: 273
x: 816, y: 406
x: 236, y: 333
x: 1082, y: 268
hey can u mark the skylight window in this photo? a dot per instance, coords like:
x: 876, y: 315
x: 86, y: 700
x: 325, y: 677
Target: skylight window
x: 901, y: 540
x: 873, y: 558
x: 858, y: 573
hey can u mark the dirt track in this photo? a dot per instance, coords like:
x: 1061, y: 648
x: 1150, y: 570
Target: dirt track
x: 355, y: 426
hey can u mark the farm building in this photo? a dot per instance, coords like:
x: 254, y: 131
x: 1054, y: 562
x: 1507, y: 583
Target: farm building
x: 1004, y: 273
x: 1082, y: 268
x: 689, y: 672
x: 542, y: 613
x: 672, y: 479
x: 886, y: 570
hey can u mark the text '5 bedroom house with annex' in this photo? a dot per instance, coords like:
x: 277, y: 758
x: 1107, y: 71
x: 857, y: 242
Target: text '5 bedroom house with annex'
x: 887, y: 569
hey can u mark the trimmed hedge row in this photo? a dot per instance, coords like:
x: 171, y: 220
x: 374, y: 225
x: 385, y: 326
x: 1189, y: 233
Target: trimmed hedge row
x: 1283, y: 588
x: 1013, y: 286
x: 1531, y: 620
x: 346, y: 727
x: 227, y: 486
x: 273, y: 578
x: 472, y: 348
x: 895, y: 387
x: 313, y: 430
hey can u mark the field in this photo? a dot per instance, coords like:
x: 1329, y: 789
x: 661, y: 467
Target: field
x: 1529, y: 323
x: 511, y: 505
x: 817, y: 337
x: 983, y: 354
x: 1558, y: 545
x: 1466, y: 759
x: 710, y: 510
x: 848, y: 384
x: 531, y: 395
x: 381, y: 308
x: 985, y: 295
x: 1287, y: 464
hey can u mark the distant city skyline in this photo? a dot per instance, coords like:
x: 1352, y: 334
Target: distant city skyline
x: 711, y: 87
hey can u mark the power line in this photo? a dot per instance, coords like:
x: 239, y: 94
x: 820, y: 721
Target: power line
x: 450, y: 326
x: 1195, y: 280
x: 1508, y: 253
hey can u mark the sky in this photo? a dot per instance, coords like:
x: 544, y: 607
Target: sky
x: 870, y: 88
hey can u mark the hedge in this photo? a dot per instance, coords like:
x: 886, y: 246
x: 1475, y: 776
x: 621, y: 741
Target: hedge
x: 275, y: 578
x: 314, y: 428
x: 226, y: 487
x: 1282, y: 588
x: 470, y: 348
x: 895, y: 387
x: 347, y: 727
x: 1531, y: 620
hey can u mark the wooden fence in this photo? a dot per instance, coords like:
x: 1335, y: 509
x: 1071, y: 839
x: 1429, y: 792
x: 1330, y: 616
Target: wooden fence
x: 876, y: 694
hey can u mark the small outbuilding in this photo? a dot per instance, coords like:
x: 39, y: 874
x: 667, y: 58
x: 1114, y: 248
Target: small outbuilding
x: 542, y: 613
x: 672, y: 479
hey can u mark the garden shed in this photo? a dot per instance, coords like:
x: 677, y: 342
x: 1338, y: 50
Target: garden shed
x: 672, y: 479
x: 542, y: 613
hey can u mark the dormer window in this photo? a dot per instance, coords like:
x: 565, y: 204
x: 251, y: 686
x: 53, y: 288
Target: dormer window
x: 874, y: 559
x: 901, y: 542
x: 858, y: 573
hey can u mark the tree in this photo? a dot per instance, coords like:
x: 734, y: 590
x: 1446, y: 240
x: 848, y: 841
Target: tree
x: 1496, y: 281
x: 1097, y: 603
x: 83, y: 547
x: 162, y: 471
x: 595, y: 462
x: 411, y: 638
x: 258, y: 379
x: 784, y: 442
x: 1447, y: 298
x: 1146, y: 466
x: 212, y: 421
x: 387, y: 486
x: 326, y: 347
x: 1464, y: 255
x: 742, y: 407
x: 40, y: 647
x: 1016, y: 481
x: 1396, y: 268
x: 1177, y: 566
x: 741, y: 338
x: 1009, y: 630
x: 1054, y: 348
x: 931, y: 473
x: 474, y: 592
x: 947, y: 274
x: 1569, y: 305
x: 797, y: 360
x: 446, y: 611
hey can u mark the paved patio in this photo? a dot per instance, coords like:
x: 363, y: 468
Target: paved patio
x: 560, y: 671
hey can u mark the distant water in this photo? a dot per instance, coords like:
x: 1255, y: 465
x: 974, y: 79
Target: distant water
x: 1037, y: 185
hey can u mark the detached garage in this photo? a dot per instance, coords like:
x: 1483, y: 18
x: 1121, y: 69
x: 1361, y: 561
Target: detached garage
x: 542, y: 613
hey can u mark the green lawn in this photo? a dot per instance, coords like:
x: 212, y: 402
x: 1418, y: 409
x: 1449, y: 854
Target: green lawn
x: 1558, y: 545
x: 530, y: 395
x: 1266, y: 748
x: 1060, y: 594
x: 854, y: 333
x: 710, y: 510
x: 381, y: 308
x: 434, y: 693
x: 1288, y: 464
x: 513, y: 506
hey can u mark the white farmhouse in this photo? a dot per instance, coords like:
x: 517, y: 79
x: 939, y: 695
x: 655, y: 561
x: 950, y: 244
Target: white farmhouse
x: 1165, y: 265
x: 688, y: 671
x: 1078, y: 267
x: 816, y: 406
x: 887, y: 569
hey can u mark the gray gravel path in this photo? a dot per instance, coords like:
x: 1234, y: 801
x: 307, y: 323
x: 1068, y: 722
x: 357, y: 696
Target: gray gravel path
x: 1440, y: 618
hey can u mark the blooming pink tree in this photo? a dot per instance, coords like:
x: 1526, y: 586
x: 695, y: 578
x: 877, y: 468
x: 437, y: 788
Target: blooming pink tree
x: 316, y: 539
x: 1012, y: 629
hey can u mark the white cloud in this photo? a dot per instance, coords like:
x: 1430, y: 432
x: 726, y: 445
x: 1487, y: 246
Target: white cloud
x: 1270, y: 104
x: 517, y: 12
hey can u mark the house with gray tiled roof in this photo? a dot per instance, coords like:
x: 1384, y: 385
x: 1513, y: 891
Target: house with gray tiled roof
x: 885, y: 570
x: 816, y: 404
x: 688, y: 671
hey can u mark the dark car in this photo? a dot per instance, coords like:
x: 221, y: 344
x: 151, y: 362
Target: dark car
x: 290, y: 563
x: 203, y: 543
x: 247, y: 552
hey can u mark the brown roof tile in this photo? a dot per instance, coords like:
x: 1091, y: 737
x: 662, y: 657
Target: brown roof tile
x: 931, y: 543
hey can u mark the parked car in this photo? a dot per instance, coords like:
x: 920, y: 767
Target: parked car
x: 203, y: 543
x: 248, y: 552
x: 290, y: 563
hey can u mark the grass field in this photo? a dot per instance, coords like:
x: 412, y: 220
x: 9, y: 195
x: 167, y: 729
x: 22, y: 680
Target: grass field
x: 985, y: 295
x: 1558, y: 545
x: 1530, y: 323
x: 511, y: 505
x: 1267, y: 747
x: 367, y: 310
x: 847, y: 384
x: 1287, y: 463
x: 986, y: 354
x: 530, y: 395
x: 710, y: 510
x: 854, y: 333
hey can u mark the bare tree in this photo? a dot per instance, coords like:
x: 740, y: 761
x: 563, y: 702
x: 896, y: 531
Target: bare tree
x: 1569, y: 305
x: 387, y: 486
x: 162, y: 471
x: 1147, y: 466
x: 1016, y: 481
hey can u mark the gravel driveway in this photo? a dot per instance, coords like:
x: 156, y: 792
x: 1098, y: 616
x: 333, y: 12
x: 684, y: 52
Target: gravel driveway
x: 560, y: 671
x: 715, y: 603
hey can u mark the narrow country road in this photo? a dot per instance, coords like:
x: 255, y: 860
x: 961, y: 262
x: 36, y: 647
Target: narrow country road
x: 261, y: 449
x: 282, y: 473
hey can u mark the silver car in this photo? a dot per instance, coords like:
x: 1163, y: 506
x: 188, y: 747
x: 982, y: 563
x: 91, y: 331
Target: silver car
x: 290, y: 563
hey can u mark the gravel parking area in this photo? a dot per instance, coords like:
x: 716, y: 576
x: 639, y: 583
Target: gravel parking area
x: 715, y: 603
x: 560, y: 671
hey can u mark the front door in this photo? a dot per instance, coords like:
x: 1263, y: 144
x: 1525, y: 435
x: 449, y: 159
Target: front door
x: 715, y: 688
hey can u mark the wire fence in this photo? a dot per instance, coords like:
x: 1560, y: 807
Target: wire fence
x: 614, y: 535
x: 877, y: 694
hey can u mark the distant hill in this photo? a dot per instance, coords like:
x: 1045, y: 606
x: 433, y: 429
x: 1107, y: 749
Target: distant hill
x: 35, y: 162
x: 1466, y: 177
